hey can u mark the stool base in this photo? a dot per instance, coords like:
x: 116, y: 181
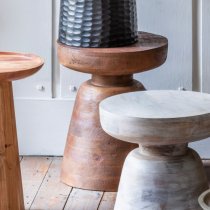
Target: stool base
x: 153, y: 181
x: 92, y: 159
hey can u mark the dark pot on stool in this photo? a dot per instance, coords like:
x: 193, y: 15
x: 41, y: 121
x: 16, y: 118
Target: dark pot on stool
x: 98, y: 23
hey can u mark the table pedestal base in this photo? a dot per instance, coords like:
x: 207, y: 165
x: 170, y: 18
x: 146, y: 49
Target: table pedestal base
x: 11, y: 193
x: 162, y: 177
x: 92, y: 159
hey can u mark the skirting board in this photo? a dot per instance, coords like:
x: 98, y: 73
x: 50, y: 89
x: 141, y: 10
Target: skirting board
x: 42, y: 127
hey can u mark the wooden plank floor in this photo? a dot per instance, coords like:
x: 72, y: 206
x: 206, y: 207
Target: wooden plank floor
x: 44, y: 191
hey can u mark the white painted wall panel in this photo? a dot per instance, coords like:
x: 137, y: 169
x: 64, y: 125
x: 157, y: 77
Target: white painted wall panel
x: 205, y: 35
x: 42, y: 127
x: 67, y: 78
x: 172, y: 19
x: 70, y: 78
x: 203, y: 30
x: 56, y: 89
x: 26, y: 26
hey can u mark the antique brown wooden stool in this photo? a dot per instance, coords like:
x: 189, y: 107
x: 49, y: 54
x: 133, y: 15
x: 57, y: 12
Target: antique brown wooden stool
x: 92, y: 159
x: 13, y: 66
x: 163, y: 173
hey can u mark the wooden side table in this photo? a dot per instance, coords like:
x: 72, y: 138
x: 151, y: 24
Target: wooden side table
x: 13, y: 66
x: 92, y: 159
x: 163, y: 173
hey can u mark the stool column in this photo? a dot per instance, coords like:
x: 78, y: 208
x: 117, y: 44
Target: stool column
x: 164, y: 150
x: 92, y: 158
x: 11, y: 193
x: 161, y: 177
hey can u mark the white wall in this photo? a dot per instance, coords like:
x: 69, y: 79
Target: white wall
x: 43, y: 116
x: 26, y: 25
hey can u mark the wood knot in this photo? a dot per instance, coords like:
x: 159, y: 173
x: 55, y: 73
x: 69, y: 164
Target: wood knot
x: 7, y: 145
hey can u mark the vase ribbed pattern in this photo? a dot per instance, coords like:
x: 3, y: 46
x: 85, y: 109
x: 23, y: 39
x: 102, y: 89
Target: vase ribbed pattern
x: 98, y: 23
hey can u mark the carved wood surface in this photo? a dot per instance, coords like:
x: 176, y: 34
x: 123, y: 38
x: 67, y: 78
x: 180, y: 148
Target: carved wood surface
x: 11, y: 194
x: 163, y: 173
x: 157, y: 117
x: 93, y: 159
x: 18, y: 65
x: 149, y: 52
x: 161, y: 182
x: 12, y: 66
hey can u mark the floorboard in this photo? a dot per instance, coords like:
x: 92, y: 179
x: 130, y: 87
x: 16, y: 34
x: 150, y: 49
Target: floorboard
x: 108, y: 201
x: 44, y: 191
x: 83, y: 200
x: 33, y: 171
x: 52, y: 194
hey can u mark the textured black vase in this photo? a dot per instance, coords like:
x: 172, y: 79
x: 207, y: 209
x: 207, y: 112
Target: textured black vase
x: 98, y: 23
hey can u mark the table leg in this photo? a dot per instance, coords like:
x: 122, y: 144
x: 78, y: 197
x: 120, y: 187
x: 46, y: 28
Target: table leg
x: 93, y: 160
x: 11, y: 193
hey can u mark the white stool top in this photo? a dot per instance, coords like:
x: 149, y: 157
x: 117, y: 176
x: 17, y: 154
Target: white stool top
x: 157, y: 117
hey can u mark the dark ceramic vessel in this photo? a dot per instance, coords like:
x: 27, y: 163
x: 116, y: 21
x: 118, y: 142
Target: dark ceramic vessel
x: 98, y: 23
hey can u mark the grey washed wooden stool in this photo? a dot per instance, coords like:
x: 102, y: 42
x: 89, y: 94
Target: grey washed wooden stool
x: 163, y: 173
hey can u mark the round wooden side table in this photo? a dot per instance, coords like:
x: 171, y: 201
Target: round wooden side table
x: 163, y: 173
x: 92, y: 159
x: 13, y: 66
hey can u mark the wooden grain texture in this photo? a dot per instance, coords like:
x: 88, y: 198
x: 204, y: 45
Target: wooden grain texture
x: 157, y: 117
x: 33, y: 173
x: 11, y: 194
x: 92, y: 159
x: 52, y: 194
x: 4, y: 200
x: 163, y: 173
x: 161, y: 182
x: 108, y: 201
x: 148, y: 53
x: 18, y: 65
x: 83, y: 200
x: 12, y: 66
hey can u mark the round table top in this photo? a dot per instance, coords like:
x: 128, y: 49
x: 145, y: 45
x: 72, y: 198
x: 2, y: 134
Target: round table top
x: 149, y: 52
x: 18, y: 65
x: 157, y: 117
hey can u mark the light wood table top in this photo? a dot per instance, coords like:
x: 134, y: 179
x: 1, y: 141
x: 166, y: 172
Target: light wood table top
x: 18, y: 65
x: 157, y: 117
